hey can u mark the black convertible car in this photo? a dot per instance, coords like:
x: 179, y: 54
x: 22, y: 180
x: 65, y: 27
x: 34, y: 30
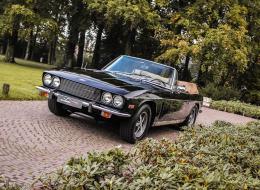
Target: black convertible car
x: 135, y: 92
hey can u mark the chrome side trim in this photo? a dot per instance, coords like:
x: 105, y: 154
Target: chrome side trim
x: 161, y: 123
x: 88, y: 104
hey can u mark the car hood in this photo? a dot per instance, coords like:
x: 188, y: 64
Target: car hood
x: 114, y: 83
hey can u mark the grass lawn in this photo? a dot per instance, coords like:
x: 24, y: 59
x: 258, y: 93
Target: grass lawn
x: 22, y: 77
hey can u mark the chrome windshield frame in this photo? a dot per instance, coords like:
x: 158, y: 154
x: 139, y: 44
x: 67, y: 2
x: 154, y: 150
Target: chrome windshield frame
x: 172, y: 80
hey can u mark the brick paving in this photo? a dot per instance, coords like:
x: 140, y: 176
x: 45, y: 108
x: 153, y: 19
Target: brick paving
x: 34, y: 142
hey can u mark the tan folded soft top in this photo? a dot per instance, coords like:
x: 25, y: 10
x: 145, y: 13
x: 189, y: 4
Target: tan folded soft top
x: 191, y: 88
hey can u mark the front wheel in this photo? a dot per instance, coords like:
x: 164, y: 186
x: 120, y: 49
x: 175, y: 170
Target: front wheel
x: 56, y: 108
x: 136, y: 128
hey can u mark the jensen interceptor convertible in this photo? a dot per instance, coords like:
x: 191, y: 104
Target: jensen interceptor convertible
x: 135, y: 92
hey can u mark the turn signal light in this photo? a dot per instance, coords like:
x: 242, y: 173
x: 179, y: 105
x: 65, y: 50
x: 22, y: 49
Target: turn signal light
x: 106, y: 115
x: 131, y: 107
x: 44, y: 94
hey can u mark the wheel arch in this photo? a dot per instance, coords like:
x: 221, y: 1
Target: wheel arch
x: 198, y: 105
x: 153, y: 107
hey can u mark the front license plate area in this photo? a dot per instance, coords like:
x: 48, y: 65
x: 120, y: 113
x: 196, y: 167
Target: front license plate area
x: 73, y: 102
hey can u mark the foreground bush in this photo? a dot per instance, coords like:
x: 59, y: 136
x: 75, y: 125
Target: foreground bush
x: 5, y: 184
x: 219, y: 157
x: 237, y: 107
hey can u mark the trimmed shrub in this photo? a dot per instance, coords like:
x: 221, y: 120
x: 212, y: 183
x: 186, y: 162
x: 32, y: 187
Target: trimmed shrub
x: 237, y: 107
x: 219, y: 157
x: 252, y: 97
x: 220, y: 93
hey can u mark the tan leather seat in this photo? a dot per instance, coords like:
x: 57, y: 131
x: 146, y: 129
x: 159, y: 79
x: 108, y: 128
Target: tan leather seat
x: 152, y: 75
x: 191, y: 88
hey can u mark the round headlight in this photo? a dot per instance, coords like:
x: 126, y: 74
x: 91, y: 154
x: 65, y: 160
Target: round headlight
x: 118, y: 101
x: 107, y: 98
x: 47, y: 79
x: 56, y: 82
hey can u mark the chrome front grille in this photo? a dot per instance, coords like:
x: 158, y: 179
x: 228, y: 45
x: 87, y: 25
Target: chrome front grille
x: 80, y: 90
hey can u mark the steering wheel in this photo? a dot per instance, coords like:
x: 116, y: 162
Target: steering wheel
x: 158, y: 81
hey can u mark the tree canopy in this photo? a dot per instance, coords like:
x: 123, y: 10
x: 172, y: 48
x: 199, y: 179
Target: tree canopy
x: 214, y: 41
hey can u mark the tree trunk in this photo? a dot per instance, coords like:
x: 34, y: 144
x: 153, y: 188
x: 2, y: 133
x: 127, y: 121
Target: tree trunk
x: 185, y: 74
x: 70, y: 47
x: 34, y: 43
x: 81, y: 48
x: 199, y: 75
x: 96, y: 55
x: 74, y: 24
x: 4, y: 44
x: 130, y: 40
x: 12, y: 40
x: 29, y: 45
x: 50, y: 53
x: 2, y: 47
x: 6, y: 89
x: 54, y: 49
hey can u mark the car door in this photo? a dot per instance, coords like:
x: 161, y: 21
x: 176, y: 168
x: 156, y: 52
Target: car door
x: 176, y: 106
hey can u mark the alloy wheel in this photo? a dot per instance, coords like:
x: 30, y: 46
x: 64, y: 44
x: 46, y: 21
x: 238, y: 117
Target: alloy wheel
x: 192, y: 117
x: 141, y: 124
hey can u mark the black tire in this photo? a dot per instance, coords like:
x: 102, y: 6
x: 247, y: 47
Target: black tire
x: 129, y: 129
x: 191, y: 118
x: 56, y: 108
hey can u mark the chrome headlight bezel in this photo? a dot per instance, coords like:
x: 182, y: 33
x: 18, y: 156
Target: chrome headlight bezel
x: 118, y: 101
x: 107, y: 98
x: 47, y: 79
x: 56, y: 82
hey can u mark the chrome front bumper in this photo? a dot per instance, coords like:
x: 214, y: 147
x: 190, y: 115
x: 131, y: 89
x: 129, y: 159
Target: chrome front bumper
x: 87, y: 104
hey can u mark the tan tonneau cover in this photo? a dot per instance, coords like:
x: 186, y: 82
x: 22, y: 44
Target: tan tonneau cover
x: 191, y: 88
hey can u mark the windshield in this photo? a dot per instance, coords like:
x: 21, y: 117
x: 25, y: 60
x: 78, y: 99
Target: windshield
x: 144, y: 69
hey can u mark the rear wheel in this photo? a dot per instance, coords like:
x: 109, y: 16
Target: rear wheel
x: 136, y: 128
x: 191, y: 119
x: 57, y: 108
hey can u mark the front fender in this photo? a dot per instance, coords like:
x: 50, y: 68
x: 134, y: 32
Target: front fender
x: 146, y: 98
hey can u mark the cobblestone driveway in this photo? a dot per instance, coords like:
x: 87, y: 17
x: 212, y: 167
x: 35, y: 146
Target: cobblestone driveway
x: 33, y: 141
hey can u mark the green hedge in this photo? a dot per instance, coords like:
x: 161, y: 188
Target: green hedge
x: 252, y: 97
x: 230, y: 94
x: 237, y: 107
x: 220, y: 92
x: 219, y: 157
